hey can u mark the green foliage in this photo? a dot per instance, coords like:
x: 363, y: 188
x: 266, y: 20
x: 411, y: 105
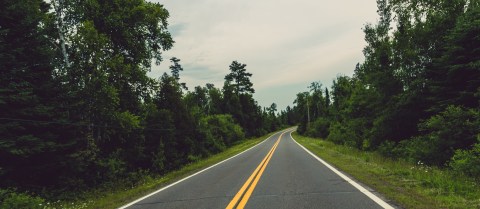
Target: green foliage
x: 303, y: 111
x: 13, y: 199
x: 159, y: 133
x: 29, y: 97
x: 128, y: 121
x: 320, y: 128
x: 176, y: 68
x: 341, y: 90
x: 416, y: 149
x: 137, y: 28
x: 239, y: 78
x: 467, y: 161
x: 338, y: 133
x: 458, y: 76
x: 347, y: 134
x: 455, y: 128
x: 220, y: 131
x: 387, y: 149
x: 238, y: 101
x: 111, y: 167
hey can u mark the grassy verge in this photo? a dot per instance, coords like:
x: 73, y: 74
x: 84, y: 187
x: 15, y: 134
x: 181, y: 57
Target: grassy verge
x: 117, y: 198
x: 409, y: 185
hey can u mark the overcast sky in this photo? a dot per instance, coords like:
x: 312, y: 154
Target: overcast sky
x: 285, y: 44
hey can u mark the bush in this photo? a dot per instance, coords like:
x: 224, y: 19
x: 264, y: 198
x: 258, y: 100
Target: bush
x: 111, y: 167
x: 220, y: 131
x: 467, y: 161
x: 417, y: 149
x: 351, y: 133
x: 340, y: 134
x: 302, y: 128
x: 319, y: 128
x: 12, y: 199
x: 453, y: 129
x: 389, y: 149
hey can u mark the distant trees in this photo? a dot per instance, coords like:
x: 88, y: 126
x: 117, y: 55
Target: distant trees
x: 416, y: 95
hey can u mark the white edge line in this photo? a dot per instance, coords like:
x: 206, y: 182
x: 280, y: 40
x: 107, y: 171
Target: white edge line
x: 173, y: 184
x: 353, y: 183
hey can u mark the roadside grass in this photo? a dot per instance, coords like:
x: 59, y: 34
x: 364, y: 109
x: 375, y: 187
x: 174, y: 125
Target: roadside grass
x: 408, y: 185
x: 114, y: 198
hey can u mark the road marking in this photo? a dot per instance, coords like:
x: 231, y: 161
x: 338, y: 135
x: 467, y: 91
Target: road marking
x: 257, y: 173
x: 249, y: 192
x: 247, y: 183
x: 177, y: 182
x: 353, y: 183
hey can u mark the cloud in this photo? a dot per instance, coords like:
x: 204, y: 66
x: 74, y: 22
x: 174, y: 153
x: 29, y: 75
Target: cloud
x: 283, y: 43
x: 176, y: 30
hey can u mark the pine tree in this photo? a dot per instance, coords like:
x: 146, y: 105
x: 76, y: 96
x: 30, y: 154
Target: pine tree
x: 31, y: 144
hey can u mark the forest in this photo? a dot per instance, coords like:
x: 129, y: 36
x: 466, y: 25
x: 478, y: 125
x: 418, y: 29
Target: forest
x: 416, y: 96
x: 78, y: 111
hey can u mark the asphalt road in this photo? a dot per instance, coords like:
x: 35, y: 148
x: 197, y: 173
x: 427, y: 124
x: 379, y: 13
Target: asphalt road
x: 277, y: 173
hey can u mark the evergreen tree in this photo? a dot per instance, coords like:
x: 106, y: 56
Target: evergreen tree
x: 32, y: 144
x: 239, y: 79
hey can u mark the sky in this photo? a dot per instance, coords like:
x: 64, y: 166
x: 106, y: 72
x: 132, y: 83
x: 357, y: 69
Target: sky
x: 286, y: 45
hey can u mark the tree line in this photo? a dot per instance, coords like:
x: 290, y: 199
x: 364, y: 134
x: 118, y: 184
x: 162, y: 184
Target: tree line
x: 417, y: 94
x: 78, y: 110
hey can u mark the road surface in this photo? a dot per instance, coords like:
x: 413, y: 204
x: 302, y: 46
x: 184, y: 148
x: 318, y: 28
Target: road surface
x: 277, y: 173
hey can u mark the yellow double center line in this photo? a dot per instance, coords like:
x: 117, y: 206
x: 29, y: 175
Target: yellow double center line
x: 245, y: 194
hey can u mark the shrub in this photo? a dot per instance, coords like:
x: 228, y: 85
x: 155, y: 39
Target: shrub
x: 350, y: 133
x: 12, y: 199
x: 389, y: 149
x: 453, y: 129
x: 319, y: 128
x: 340, y: 134
x: 467, y: 161
x: 417, y: 149
x: 220, y: 131
x: 111, y: 167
